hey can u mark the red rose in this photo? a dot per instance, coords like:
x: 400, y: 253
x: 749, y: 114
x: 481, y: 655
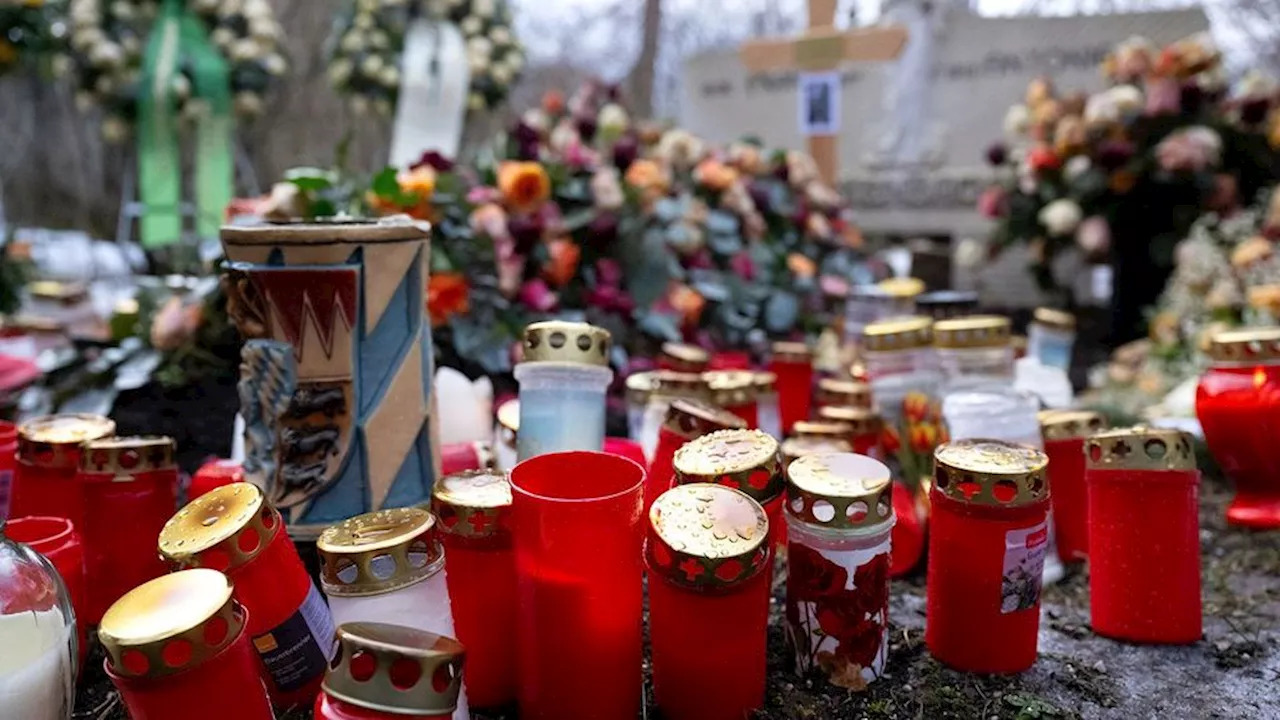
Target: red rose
x: 862, y: 643
x: 845, y: 620
x: 871, y: 584
x: 811, y: 576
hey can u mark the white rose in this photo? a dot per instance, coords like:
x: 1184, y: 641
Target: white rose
x: 106, y: 55
x: 536, y: 119
x: 275, y: 64
x: 363, y: 22
x: 378, y: 40
x: 613, y: 117
x: 1127, y: 98
x: 359, y: 105
x: 104, y: 85
x: 472, y: 25
x: 515, y: 61
x: 85, y: 39
x: 479, y: 46
x: 84, y: 13
x: 84, y: 101
x: 122, y: 10
x: 501, y: 73
x: 475, y: 101
x: 61, y: 65
x: 1101, y: 109
x: 484, y: 8
x: 1060, y: 217
x: 500, y: 36
x: 390, y: 76
x: 248, y: 103
x: 352, y: 42
x: 257, y: 10
x: 368, y: 6
x: 1016, y: 120
x: 223, y: 37
x: 371, y: 65
x: 564, y: 135
x: 339, y: 71
x: 205, y: 6
x: 114, y: 129
x: 1078, y: 165
x: 131, y: 44
x: 264, y: 30
x: 244, y: 50
x: 477, y: 64
x: 970, y: 253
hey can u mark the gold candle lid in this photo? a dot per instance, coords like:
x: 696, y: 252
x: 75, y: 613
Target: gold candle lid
x: 800, y: 446
x: 862, y: 420
x: 766, y: 382
x: 898, y: 334
x: 991, y: 472
x: 1251, y: 344
x: 473, y: 503
x: 566, y: 342
x: 974, y: 331
x: 704, y: 536
x: 684, y: 357
x: 836, y: 391
x: 901, y: 287
x: 731, y: 388
x: 1139, y: 448
x: 747, y: 460
x: 54, y: 441
x: 222, y: 529
x: 640, y: 386
x: 1050, y: 317
x: 690, y: 418
x: 379, y: 552
x: 821, y: 428
x: 130, y: 456
x: 679, y: 384
x: 796, y: 352
x: 170, y: 624
x: 395, y: 669
x: 843, y: 491
x: 1069, y: 424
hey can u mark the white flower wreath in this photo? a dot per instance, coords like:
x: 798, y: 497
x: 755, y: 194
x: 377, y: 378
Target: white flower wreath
x: 108, y: 40
x: 368, y: 42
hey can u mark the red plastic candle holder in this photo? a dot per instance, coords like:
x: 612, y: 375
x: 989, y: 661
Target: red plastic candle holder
x: 8, y: 464
x: 735, y: 391
x: 708, y: 555
x: 866, y: 427
x: 730, y: 360
x: 792, y: 364
x: 839, y: 392
x: 178, y: 646
x: 987, y: 542
x: 578, y: 542
x: 459, y: 457
x: 48, y: 461
x: 232, y: 529
x: 130, y: 488
x: 475, y: 523
x: 392, y: 672
x: 683, y: 357
x: 625, y: 448
x: 745, y: 460
x: 56, y: 539
x: 1238, y: 405
x: 214, y: 474
x: 686, y: 420
x: 1064, y: 432
x: 1144, y: 536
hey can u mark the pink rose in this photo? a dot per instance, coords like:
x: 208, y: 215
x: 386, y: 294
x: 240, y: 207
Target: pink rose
x: 993, y: 202
x: 536, y: 295
x: 1094, y: 235
x: 483, y: 194
x: 742, y: 265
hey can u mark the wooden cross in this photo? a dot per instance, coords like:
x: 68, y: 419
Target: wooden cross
x: 822, y: 49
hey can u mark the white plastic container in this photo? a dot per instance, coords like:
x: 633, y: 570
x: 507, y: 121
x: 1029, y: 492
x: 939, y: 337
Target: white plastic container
x: 899, y: 358
x: 668, y: 385
x: 1051, y: 336
x: 563, y: 379
x: 974, y: 352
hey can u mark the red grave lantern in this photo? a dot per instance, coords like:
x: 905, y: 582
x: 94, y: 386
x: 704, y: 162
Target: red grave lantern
x: 792, y: 364
x: 687, y: 419
x: 745, y: 460
x: 735, y: 391
x: 48, y: 461
x: 1064, y: 433
x: 391, y: 672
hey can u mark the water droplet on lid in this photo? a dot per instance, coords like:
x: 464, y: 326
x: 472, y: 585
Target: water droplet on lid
x: 209, y: 521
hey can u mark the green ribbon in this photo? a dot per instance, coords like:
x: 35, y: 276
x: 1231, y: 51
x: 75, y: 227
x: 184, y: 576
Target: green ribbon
x: 180, y: 39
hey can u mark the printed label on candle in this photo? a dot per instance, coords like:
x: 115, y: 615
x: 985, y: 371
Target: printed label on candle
x: 298, y: 649
x: 1023, y: 567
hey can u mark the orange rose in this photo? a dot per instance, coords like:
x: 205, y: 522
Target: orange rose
x: 647, y: 175
x: 916, y: 406
x: 687, y: 302
x: 801, y: 266
x: 553, y: 102
x: 714, y: 174
x: 524, y: 185
x: 420, y: 181
x: 447, y: 295
x: 562, y: 261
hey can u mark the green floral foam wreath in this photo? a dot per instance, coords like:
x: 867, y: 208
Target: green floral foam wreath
x: 367, y: 46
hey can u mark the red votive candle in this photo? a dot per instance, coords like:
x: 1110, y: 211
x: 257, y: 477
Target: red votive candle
x: 392, y: 672
x: 797, y: 447
x: 987, y: 541
x: 1064, y: 432
x: 708, y: 556
x: 792, y: 363
x: 866, y: 427
x: 730, y: 360
x: 232, y: 529
x: 48, y: 461
x: 1144, y: 536
x: 214, y: 474
x: 687, y: 419
x: 745, y: 460
x: 457, y: 457
x: 735, y: 391
x: 177, y: 646
x: 130, y: 488
x: 578, y: 544
x: 629, y: 449
x: 683, y: 357
x: 8, y: 464
x: 474, y: 508
x: 842, y: 393
x: 56, y: 539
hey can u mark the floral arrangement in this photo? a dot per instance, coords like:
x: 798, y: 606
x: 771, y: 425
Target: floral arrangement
x: 852, y: 625
x: 368, y: 43
x: 27, y: 28
x: 107, y: 45
x: 913, y: 441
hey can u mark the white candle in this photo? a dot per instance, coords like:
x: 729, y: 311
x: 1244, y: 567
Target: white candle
x: 36, y: 666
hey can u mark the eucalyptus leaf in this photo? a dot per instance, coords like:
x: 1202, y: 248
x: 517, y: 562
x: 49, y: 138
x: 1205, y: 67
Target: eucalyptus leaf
x: 725, y: 245
x: 659, y: 326
x: 723, y: 222
x: 668, y: 209
x: 713, y: 289
x: 781, y: 311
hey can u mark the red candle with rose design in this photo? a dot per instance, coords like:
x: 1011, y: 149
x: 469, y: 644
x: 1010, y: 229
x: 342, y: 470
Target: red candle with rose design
x: 708, y: 556
x: 839, y: 526
x: 987, y: 543
x: 792, y: 364
x: 687, y: 419
x: 735, y: 391
x: 865, y: 427
x: 1144, y: 536
x: 683, y: 357
x: 746, y: 460
x: 1064, y: 432
x: 392, y: 672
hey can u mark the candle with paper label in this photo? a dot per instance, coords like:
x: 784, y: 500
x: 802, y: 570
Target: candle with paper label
x: 392, y: 672
x: 767, y: 404
x: 708, y: 556
x: 1051, y: 336
x: 683, y: 357
x: 792, y: 364
x: 1144, y: 536
x: 746, y: 460
x: 57, y: 540
x: 687, y: 420
x: 847, y: 393
x: 735, y: 391
x: 234, y: 530
x: 474, y: 511
x: 839, y: 523
x: 1238, y: 405
x: 987, y: 545
x: 668, y: 386
x: 389, y: 566
x: 130, y: 488
x: 1064, y: 434
x: 866, y: 427
x: 563, y: 378
x: 179, y: 646
x: 48, y: 461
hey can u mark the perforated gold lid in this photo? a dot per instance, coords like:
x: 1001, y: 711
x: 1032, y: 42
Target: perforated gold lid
x: 691, y: 418
x: 784, y: 351
x: 901, y: 287
x: 747, y: 460
x: 798, y: 447
x: 1140, y: 448
x: 473, y: 503
x: 55, y: 441
x: 1251, y: 344
x: 991, y: 472
x: 396, y: 669
x: 379, y: 552
x: 766, y: 382
x: 974, y: 331
x: 898, y: 334
x: 704, y: 536
x: 1050, y: 317
x: 835, y: 391
x: 170, y: 624
x: 640, y: 386
x: 222, y: 529
x: 567, y: 342
x: 843, y: 491
x: 685, y: 357
x: 1067, y: 424
x: 679, y: 384
x: 821, y: 428
x: 129, y: 456
x: 862, y: 420
x: 731, y: 388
